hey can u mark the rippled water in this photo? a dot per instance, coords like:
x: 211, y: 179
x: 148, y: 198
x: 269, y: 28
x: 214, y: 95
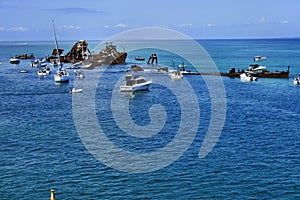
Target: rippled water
x: 256, y: 157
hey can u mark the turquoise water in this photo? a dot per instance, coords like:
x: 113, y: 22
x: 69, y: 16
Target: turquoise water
x: 256, y: 156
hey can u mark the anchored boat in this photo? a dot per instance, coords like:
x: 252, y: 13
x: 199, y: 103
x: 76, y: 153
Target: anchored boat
x: 135, y: 83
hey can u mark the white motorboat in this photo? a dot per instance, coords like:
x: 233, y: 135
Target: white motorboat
x: 76, y: 90
x: 297, y: 80
x: 14, y: 60
x: 176, y: 75
x: 247, y: 77
x: 256, y: 67
x: 259, y: 58
x: 135, y: 83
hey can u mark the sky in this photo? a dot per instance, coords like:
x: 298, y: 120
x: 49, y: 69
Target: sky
x: 30, y: 20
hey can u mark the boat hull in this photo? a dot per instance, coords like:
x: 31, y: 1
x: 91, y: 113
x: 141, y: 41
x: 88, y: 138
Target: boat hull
x: 61, y: 79
x: 176, y: 75
x: 14, y: 61
x: 247, y: 78
x: 296, y: 81
x: 137, y: 87
x: 74, y: 90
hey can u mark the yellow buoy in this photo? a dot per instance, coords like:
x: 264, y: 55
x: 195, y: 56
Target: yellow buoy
x: 52, y: 196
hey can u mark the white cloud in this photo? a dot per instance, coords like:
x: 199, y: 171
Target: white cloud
x: 284, y: 22
x: 121, y: 25
x: 262, y: 20
x: 106, y: 26
x: 2, y: 28
x: 206, y: 25
x: 210, y: 25
x: 185, y: 25
x: 71, y: 27
x: 17, y: 29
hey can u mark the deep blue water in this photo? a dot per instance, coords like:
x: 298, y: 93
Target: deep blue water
x: 256, y: 156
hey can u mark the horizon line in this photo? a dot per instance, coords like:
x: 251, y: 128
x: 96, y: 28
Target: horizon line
x: 246, y: 38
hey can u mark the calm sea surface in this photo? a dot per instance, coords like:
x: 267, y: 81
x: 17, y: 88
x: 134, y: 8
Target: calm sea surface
x: 257, y: 155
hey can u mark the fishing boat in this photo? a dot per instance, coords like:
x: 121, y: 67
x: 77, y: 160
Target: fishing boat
x: 135, y: 83
x: 14, y: 60
x: 247, y: 77
x: 259, y: 58
x: 297, y: 80
x: 61, y: 75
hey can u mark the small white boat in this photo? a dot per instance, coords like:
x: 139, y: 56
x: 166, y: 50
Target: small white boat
x: 44, y: 72
x: 76, y: 90
x: 176, y: 75
x: 61, y: 76
x: 23, y: 71
x: 14, y: 60
x: 297, y: 80
x: 256, y: 67
x: 247, y: 77
x: 135, y: 83
x: 39, y: 63
x: 259, y: 58
x: 79, y: 74
x: 139, y: 58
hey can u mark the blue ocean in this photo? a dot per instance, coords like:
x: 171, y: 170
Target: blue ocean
x: 104, y: 144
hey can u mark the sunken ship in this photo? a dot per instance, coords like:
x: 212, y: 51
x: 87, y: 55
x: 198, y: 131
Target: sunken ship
x: 81, y: 53
x: 109, y: 56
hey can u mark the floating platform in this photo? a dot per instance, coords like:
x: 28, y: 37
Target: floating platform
x: 233, y: 73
